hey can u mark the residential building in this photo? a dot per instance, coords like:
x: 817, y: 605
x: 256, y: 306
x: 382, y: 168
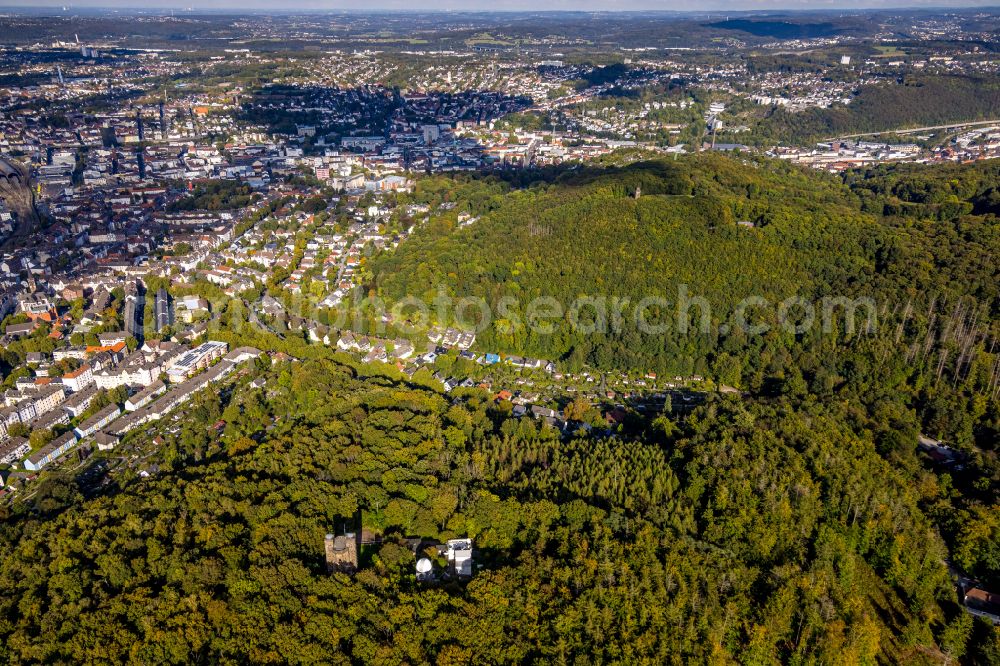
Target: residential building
x: 48, y: 397
x: 105, y: 441
x: 79, y: 402
x: 79, y: 379
x: 145, y: 396
x: 50, y: 452
x: 97, y: 421
x: 197, y: 359
x: 13, y: 450
x: 50, y: 420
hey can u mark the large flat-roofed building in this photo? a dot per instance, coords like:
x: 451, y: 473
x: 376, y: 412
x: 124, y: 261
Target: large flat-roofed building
x: 110, y: 339
x: 197, y: 359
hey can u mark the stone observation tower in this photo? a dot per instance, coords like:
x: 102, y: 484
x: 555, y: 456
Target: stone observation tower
x: 342, y: 552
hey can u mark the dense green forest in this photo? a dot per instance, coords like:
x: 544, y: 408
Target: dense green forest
x: 794, y: 522
x: 758, y: 532
x: 921, y: 244
x: 782, y: 29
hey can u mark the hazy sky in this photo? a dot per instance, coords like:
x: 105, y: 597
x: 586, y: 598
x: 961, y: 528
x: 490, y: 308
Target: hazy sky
x: 503, y: 5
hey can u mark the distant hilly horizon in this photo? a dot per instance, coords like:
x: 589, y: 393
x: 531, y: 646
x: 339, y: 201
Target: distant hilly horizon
x: 515, y: 7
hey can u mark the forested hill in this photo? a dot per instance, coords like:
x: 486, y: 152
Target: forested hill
x: 752, y: 532
x: 920, y: 101
x: 582, y: 231
x: 587, y: 234
x: 920, y: 242
x: 793, y: 523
